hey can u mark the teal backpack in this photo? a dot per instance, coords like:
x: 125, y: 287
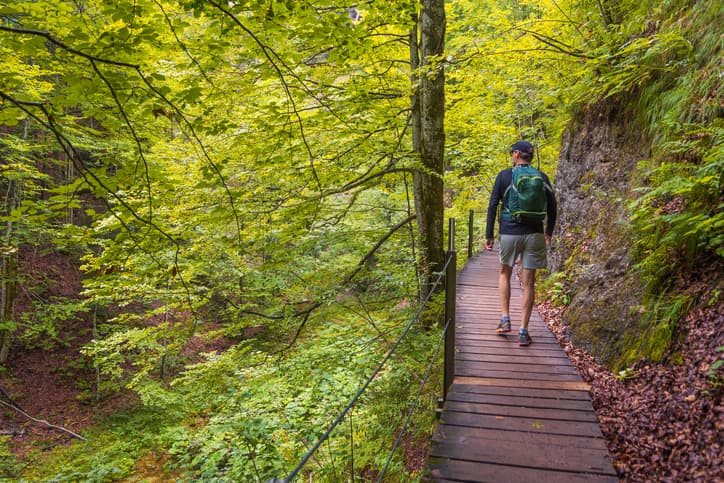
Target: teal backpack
x: 526, y: 196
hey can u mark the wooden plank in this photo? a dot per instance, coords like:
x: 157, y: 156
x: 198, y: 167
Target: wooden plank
x: 533, y: 425
x: 531, y: 353
x: 449, y: 470
x: 483, y: 436
x: 522, y: 412
x: 506, y: 338
x: 489, y: 333
x: 531, y: 383
x: 556, y: 394
x: 468, y: 287
x: 520, y: 366
x: 538, y: 364
x: 480, y: 323
x: 518, y: 377
x: 565, y: 458
x: 477, y: 324
x: 490, y: 347
x: 471, y: 278
x: 485, y: 323
x: 487, y: 327
x: 526, y: 401
x: 509, y: 344
x: 510, y: 338
x: 480, y: 354
x: 539, y: 334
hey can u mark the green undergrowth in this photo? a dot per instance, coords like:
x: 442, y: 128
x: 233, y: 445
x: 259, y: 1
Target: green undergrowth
x: 245, y: 415
x: 10, y: 465
x: 111, y: 450
x: 715, y: 374
x: 678, y: 216
x: 656, y: 330
x: 269, y: 416
x: 678, y: 219
x: 555, y: 287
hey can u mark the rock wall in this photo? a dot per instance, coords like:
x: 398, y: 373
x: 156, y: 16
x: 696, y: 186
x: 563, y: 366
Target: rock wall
x: 594, y: 182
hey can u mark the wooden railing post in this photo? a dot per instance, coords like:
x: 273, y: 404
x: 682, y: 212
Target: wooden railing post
x: 450, y: 283
x: 470, y: 235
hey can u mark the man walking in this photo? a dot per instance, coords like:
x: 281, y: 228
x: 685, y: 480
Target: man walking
x: 526, y: 197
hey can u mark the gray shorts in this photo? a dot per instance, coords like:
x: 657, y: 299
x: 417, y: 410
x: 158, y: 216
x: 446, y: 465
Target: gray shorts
x: 530, y: 248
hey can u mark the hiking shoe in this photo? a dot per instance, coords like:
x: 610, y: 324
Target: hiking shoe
x: 524, y: 338
x: 504, y: 325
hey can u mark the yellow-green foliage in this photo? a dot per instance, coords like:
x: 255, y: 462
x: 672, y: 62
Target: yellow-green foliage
x: 679, y: 219
x: 556, y: 288
x: 504, y: 84
x: 10, y: 466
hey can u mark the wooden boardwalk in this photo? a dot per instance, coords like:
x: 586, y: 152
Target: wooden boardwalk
x: 513, y: 414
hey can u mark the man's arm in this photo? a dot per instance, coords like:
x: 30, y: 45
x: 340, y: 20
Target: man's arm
x: 495, y: 199
x: 552, y: 210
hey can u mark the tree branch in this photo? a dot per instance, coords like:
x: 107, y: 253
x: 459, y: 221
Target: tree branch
x: 379, y: 243
x: 306, y: 313
x: 267, y: 51
x: 94, y: 60
x: 556, y: 45
x: 64, y: 46
x: 42, y: 421
x: 181, y: 43
x: 18, y: 102
x: 92, y: 180
x: 134, y: 135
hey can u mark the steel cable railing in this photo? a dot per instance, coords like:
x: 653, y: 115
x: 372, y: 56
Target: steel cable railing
x: 414, y: 403
x: 374, y: 374
x: 448, y: 271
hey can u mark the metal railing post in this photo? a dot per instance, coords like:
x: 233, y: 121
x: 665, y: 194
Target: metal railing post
x: 450, y: 282
x: 470, y: 235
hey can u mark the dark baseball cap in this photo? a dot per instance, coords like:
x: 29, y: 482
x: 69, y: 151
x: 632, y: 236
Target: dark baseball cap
x: 523, y: 147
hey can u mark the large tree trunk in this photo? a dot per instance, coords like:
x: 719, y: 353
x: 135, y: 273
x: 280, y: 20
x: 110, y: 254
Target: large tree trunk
x: 8, y: 277
x: 7, y: 301
x: 9, y: 262
x: 429, y: 138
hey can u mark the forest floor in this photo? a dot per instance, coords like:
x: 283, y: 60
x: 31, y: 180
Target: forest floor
x: 662, y: 421
x: 46, y: 377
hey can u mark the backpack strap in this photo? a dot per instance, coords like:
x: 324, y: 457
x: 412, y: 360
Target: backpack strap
x: 505, y: 199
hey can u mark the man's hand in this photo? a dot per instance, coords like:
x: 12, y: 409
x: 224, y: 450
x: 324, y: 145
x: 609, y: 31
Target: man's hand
x: 548, y: 239
x: 489, y: 244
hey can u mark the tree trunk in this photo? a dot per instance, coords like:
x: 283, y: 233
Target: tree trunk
x: 9, y: 267
x: 429, y: 138
x: 8, y: 277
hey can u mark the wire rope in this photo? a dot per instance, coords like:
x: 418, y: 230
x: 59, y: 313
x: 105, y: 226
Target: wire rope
x: 374, y: 374
x: 414, y: 404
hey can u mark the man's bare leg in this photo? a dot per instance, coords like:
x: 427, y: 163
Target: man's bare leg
x: 527, y: 280
x: 504, y: 289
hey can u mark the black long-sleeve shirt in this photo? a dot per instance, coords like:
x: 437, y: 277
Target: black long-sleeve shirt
x: 511, y: 227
